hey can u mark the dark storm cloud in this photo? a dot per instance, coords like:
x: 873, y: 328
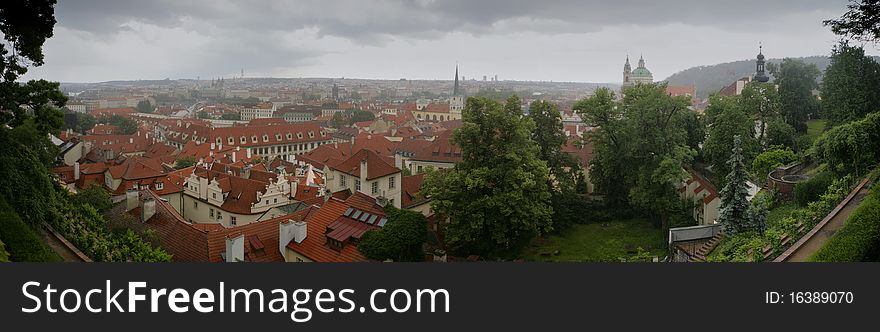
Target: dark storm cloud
x: 521, y: 39
x: 368, y: 19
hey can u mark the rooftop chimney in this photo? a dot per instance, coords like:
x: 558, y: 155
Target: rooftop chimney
x: 130, y: 140
x: 299, y: 231
x: 398, y: 161
x: 76, y: 171
x: 148, y: 209
x: 235, y: 249
x: 364, y: 174
x: 131, y: 199
x: 213, y: 146
x: 248, y: 153
x: 233, y: 156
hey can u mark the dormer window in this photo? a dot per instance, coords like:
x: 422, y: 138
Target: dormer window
x: 254, y: 139
x: 231, y: 141
x: 277, y: 137
x: 160, y: 186
x: 311, y: 134
x: 289, y: 136
x: 323, y: 133
x: 265, y: 138
x: 219, y: 141
x: 243, y: 140
x: 299, y: 135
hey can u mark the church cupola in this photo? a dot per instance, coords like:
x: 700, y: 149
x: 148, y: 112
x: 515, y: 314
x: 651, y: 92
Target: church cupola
x: 760, y: 74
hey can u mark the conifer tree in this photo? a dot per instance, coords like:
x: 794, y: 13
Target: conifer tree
x: 735, y: 214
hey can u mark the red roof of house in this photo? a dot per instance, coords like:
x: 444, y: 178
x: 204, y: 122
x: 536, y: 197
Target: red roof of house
x: 376, y: 166
x: 440, y: 150
x: 315, y: 246
x: 412, y: 186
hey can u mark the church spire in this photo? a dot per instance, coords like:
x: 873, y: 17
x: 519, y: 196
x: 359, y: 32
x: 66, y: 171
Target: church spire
x: 760, y: 74
x: 455, y: 88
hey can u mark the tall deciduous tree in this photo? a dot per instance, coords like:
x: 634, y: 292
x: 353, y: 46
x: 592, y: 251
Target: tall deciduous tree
x: 797, y: 80
x: 761, y: 101
x: 549, y: 135
x: 497, y: 197
x: 731, y: 121
x: 861, y: 21
x: 851, y: 86
x: 640, y: 149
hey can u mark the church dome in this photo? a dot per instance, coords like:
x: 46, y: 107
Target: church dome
x: 641, y: 72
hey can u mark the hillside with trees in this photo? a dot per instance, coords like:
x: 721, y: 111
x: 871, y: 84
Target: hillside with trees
x: 711, y: 78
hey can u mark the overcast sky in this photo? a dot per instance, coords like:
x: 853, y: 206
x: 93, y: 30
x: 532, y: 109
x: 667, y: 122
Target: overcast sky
x: 582, y: 41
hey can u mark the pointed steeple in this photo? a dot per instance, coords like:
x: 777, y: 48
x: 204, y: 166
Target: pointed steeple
x: 627, y: 67
x: 455, y: 91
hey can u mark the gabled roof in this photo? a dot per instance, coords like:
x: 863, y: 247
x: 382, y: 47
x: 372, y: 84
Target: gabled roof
x: 377, y: 167
x: 315, y: 246
x: 412, y: 186
x: 440, y: 150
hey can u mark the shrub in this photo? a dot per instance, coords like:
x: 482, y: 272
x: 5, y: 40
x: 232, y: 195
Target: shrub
x: 859, y: 239
x: 768, y: 160
x: 22, y: 242
x: 810, y: 190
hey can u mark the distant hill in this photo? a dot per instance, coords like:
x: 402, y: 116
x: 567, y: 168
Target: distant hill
x: 709, y: 79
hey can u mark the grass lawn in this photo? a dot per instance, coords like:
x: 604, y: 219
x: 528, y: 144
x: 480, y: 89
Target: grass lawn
x: 607, y: 241
x: 815, y: 128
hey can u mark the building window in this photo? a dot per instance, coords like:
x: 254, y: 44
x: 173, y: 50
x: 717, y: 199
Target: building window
x: 375, y: 187
x: 160, y: 186
x: 219, y: 215
x: 233, y: 220
x: 195, y: 205
x: 277, y: 137
x: 265, y: 138
x: 214, y: 195
x: 391, y: 183
x: 357, y: 185
x: 243, y: 140
x: 212, y: 213
x: 341, y: 180
x: 231, y: 141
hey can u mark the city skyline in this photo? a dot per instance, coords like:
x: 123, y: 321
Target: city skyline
x: 99, y: 41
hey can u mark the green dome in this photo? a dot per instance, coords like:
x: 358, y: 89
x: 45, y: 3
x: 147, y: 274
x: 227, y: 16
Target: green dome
x: 641, y: 72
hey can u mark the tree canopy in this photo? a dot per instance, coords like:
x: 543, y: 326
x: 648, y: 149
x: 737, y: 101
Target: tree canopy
x: 851, y: 86
x: 860, y: 22
x: 731, y: 121
x: 640, y: 148
x: 497, y: 197
x: 400, y: 240
x: 796, y: 81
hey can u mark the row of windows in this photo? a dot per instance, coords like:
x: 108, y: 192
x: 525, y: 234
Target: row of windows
x: 374, y: 185
x: 288, y: 136
x: 302, y: 147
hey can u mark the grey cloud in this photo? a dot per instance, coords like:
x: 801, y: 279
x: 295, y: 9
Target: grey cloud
x: 365, y: 19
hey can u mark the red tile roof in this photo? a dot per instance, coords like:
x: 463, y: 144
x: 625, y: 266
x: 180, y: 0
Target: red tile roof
x: 315, y: 247
x: 376, y: 166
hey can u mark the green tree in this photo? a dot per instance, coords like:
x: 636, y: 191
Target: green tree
x: 184, y: 162
x: 401, y: 239
x: 497, y: 197
x: 860, y: 22
x: 850, y: 148
x: 94, y: 195
x: 735, y: 208
x: 25, y: 26
x: 761, y: 101
x: 781, y: 133
x: 127, y: 126
x: 640, y: 150
x: 203, y: 115
x: 851, y: 86
x: 358, y: 116
x: 731, y: 121
x: 797, y: 80
x: 550, y: 137
x: 769, y: 160
x: 84, y: 122
x: 144, y: 106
